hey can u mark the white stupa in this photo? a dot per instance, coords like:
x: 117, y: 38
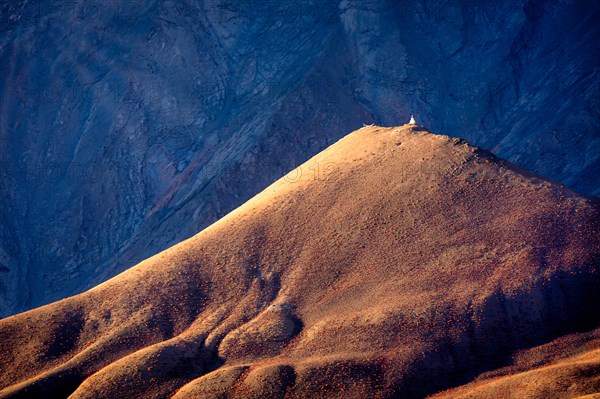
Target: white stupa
x: 412, y: 120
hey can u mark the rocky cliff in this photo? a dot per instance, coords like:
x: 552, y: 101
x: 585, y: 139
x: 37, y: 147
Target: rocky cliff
x: 127, y: 126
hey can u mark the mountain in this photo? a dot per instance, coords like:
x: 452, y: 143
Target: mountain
x: 395, y: 263
x: 128, y: 126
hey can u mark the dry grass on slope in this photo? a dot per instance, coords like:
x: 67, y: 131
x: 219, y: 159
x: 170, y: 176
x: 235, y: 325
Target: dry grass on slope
x: 395, y: 262
x: 568, y: 367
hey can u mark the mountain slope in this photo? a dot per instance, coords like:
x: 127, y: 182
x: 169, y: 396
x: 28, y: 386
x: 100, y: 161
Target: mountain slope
x: 395, y: 262
x: 128, y: 126
x: 566, y: 368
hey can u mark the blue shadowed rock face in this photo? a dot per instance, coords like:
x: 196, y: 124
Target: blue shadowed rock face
x: 127, y: 126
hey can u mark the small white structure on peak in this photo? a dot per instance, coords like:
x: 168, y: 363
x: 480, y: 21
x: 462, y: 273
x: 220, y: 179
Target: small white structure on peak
x: 412, y: 120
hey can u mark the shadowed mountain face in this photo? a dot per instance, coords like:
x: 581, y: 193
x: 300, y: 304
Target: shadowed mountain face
x: 127, y: 126
x: 396, y: 263
x: 565, y: 368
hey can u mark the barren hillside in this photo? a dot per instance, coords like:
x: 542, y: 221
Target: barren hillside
x: 568, y: 367
x: 396, y: 263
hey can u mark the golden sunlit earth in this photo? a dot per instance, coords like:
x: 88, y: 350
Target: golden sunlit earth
x: 395, y: 264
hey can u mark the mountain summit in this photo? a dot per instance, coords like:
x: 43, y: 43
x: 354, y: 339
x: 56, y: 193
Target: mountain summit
x: 129, y: 126
x: 394, y: 263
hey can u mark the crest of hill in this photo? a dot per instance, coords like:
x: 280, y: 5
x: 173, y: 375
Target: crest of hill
x: 395, y: 262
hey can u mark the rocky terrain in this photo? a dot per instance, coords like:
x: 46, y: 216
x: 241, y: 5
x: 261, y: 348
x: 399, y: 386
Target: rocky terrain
x: 127, y: 126
x: 395, y: 263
